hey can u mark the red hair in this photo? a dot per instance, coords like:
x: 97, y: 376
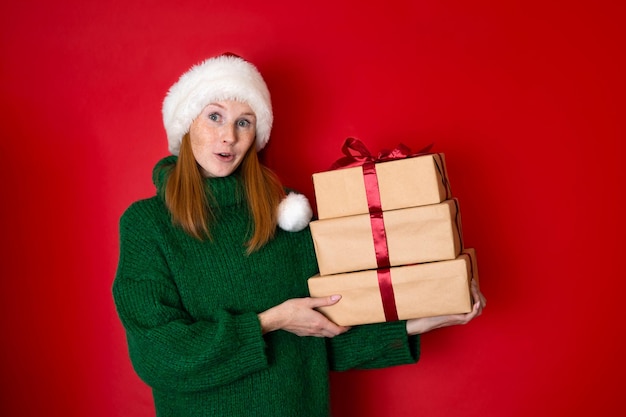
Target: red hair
x: 186, y: 196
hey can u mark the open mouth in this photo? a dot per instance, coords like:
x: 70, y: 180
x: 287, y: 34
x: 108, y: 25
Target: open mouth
x: 225, y: 156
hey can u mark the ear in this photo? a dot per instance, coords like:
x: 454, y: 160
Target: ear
x: 294, y: 212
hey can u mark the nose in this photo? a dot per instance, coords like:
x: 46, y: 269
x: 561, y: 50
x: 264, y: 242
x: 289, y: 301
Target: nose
x: 229, y: 134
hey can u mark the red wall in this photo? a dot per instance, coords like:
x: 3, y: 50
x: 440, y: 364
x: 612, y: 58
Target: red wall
x: 526, y: 99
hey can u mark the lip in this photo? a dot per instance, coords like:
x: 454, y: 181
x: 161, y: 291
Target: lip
x: 224, y: 156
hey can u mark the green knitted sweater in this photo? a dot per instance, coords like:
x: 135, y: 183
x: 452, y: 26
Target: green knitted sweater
x: 190, y: 310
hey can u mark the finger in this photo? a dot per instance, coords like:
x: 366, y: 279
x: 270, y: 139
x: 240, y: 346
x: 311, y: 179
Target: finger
x: 475, y: 291
x: 479, y: 308
x: 478, y: 297
x: 343, y: 329
x: 333, y: 330
x: 325, y: 301
x: 474, y: 313
x: 475, y: 309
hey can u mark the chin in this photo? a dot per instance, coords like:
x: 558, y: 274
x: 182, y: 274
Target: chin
x: 223, y: 171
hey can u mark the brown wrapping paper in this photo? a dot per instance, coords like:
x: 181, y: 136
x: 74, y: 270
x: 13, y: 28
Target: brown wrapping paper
x: 414, y: 235
x: 402, y: 183
x: 421, y: 290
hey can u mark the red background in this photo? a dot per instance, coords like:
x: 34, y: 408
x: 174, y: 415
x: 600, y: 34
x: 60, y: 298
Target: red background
x: 526, y: 99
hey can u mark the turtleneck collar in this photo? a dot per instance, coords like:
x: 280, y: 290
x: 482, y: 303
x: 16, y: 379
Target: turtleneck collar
x: 224, y: 191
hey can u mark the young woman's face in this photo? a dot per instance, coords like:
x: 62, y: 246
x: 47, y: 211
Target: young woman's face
x: 221, y: 135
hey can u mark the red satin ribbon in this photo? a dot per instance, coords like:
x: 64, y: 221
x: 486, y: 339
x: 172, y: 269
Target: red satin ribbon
x: 380, y: 241
x: 358, y: 155
x: 386, y: 294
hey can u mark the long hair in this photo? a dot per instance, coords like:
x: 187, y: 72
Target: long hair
x: 187, y: 200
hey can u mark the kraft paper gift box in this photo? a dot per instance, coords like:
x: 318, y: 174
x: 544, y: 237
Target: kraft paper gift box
x: 408, y: 182
x: 413, y: 235
x: 421, y: 290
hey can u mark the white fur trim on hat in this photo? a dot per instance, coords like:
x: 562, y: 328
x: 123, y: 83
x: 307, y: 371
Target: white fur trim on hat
x: 225, y: 77
x: 294, y: 212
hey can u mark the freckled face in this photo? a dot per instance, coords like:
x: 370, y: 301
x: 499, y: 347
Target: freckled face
x: 221, y: 135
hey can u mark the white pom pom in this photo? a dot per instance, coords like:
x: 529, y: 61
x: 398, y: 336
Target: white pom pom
x: 294, y: 212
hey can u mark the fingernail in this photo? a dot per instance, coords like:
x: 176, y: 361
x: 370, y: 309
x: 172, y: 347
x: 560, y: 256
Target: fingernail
x: 335, y: 297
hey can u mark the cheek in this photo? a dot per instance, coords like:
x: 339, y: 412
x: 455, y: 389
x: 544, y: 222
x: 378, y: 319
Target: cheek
x: 195, y: 143
x: 201, y: 154
x: 199, y: 139
x: 199, y: 148
x: 249, y: 139
x: 195, y: 148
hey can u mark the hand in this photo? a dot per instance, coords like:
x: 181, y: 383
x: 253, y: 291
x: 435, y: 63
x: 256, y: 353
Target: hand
x: 426, y: 324
x: 298, y: 316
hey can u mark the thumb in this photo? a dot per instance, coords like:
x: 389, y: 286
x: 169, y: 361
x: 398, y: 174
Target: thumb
x: 325, y: 301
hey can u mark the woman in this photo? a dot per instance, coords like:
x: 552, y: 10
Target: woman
x: 211, y: 283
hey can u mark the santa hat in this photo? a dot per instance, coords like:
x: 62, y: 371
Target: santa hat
x: 224, y: 77
x: 229, y: 77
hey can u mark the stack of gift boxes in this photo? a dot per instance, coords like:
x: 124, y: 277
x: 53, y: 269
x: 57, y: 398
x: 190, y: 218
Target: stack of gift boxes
x: 388, y: 238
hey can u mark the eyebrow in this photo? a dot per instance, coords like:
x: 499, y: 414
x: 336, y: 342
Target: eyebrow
x: 224, y: 108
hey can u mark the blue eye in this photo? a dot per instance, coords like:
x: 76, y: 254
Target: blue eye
x: 214, y: 116
x: 243, y: 123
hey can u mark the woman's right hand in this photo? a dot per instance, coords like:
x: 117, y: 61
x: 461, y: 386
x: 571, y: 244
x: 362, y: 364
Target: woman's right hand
x: 426, y: 324
x: 299, y: 316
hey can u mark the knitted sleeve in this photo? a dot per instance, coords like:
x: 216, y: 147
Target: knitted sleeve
x: 373, y: 346
x: 170, y: 350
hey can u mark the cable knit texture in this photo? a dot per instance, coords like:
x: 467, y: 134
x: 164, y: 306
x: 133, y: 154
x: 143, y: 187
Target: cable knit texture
x: 190, y: 313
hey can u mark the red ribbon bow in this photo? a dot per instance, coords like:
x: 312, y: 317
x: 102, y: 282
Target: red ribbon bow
x: 356, y: 154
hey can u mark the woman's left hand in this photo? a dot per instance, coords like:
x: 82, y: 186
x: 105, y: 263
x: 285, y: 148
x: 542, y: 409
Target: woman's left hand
x: 426, y: 324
